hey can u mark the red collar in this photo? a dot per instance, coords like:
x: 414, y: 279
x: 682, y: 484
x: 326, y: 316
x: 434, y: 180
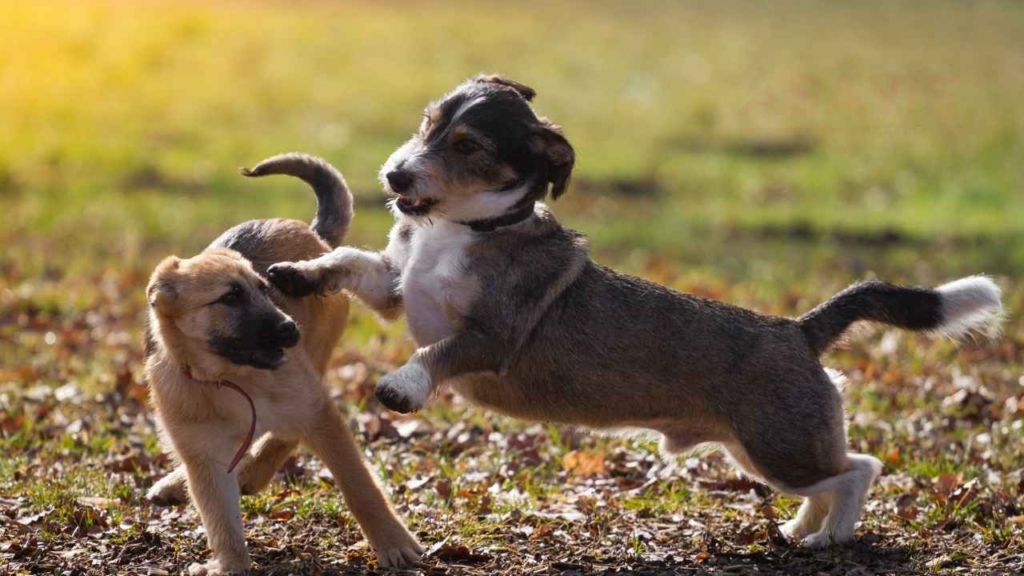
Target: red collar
x: 243, y: 449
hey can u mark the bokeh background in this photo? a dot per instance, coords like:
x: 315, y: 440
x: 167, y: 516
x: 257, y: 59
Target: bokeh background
x: 763, y: 153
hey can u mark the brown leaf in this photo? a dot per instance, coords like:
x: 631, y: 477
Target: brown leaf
x: 460, y: 555
x: 585, y: 463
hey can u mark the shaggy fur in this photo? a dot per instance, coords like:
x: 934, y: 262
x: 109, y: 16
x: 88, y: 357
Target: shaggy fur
x: 517, y: 318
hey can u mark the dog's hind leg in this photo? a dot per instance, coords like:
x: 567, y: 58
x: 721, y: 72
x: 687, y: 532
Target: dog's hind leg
x: 254, y: 472
x: 845, y: 495
x: 257, y: 470
x: 171, y: 489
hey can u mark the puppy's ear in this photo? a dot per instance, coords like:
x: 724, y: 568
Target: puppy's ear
x: 559, y: 154
x: 162, y: 291
x: 525, y: 91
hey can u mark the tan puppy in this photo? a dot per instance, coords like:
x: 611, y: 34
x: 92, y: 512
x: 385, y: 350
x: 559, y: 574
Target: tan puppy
x: 222, y: 344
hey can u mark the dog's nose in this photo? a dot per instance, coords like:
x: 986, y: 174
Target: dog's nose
x: 288, y: 332
x: 399, y: 180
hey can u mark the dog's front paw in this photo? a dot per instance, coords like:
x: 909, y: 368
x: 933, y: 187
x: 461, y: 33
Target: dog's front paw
x: 406, y: 389
x: 171, y: 489
x: 399, y: 550
x: 298, y: 279
x: 219, y: 568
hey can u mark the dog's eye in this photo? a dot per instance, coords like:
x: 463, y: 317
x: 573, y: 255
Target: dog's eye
x: 466, y: 146
x: 233, y: 296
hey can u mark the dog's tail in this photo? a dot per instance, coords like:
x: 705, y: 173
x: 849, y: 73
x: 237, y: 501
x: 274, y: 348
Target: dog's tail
x: 334, y: 208
x: 953, y: 309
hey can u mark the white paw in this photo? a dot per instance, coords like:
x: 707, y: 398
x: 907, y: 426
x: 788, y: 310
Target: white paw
x: 817, y: 540
x: 793, y: 530
x: 170, y: 489
x: 406, y: 389
x: 218, y: 568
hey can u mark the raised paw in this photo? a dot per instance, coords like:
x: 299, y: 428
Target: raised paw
x: 406, y: 389
x: 298, y: 279
x: 171, y: 489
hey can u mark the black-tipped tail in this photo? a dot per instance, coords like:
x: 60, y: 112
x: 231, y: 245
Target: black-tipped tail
x: 952, y: 309
x: 333, y: 199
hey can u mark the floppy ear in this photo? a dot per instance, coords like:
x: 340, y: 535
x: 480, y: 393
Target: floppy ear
x: 525, y: 91
x: 559, y: 154
x: 162, y: 291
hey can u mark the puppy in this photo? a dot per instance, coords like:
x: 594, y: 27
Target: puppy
x: 508, y: 309
x: 226, y: 361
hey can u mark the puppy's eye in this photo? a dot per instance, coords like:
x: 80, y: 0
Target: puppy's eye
x: 232, y: 297
x: 466, y: 146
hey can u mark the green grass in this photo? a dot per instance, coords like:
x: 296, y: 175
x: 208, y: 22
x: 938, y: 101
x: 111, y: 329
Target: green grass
x: 764, y: 155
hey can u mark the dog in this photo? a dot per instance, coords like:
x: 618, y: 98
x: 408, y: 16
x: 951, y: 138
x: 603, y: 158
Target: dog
x: 508, y: 309
x: 227, y: 354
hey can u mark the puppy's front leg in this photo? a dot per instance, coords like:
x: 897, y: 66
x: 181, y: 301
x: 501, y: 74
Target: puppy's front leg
x: 407, y: 389
x: 216, y: 495
x: 371, y: 276
x: 332, y: 441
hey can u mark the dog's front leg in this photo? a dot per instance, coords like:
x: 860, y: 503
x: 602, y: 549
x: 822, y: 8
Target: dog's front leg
x: 370, y: 276
x: 407, y: 389
x: 330, y: 439
x: 216, y: 495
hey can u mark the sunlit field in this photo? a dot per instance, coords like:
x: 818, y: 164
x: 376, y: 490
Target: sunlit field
x: 767, y: 155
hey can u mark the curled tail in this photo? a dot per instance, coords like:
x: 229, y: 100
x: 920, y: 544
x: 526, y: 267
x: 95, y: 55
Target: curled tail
x: 333, y: 199
x: 952, y: 309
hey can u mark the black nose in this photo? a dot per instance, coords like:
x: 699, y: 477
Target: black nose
x: 399, y: 180
x: 288, y: 333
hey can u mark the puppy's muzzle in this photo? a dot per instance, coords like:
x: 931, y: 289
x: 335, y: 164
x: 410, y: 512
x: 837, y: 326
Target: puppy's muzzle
x: 399, y: 180
x: 287, y: 334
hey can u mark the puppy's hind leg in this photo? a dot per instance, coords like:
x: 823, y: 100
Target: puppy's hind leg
x: 256, y: 472
x: 845, y: 494
x: 171, y: 489
x: 809, y: 519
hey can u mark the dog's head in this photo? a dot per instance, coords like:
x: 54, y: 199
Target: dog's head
x: 218, y: 307
x: 479, y: 152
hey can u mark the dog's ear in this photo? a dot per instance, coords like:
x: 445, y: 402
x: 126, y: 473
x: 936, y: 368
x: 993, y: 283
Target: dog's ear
x: 525, y: 91
x: 162, y: 291
x: 551, y: 142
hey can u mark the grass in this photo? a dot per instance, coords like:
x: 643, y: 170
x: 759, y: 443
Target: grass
x: 763, y: 155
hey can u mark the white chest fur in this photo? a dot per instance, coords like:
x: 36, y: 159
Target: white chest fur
x: 435, y: 284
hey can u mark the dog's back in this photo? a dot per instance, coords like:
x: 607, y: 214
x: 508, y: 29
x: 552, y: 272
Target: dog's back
x: 269, y: 241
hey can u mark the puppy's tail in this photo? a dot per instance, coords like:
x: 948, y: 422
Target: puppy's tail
x: 334, y: 208
x: 953, y: 309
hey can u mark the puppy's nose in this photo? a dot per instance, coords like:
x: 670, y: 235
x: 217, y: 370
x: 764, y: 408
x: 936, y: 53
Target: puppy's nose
x: 288, y: 332
x: 399, y: 180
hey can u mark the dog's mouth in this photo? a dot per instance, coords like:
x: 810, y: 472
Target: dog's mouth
x: 266, y: 359
x: 261, y: 358
x: 414, y: 206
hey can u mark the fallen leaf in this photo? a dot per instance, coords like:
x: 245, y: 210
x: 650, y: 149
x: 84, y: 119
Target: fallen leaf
x: 585, y: 463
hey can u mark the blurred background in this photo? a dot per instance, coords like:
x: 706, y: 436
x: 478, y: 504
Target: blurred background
x: 716, y: 134
x: 767, y: 154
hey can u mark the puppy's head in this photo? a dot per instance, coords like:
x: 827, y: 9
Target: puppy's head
x: 218, y: 306
x: 479, y: 152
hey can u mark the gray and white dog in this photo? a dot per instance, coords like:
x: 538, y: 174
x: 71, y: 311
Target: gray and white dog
x: 509, y: 310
